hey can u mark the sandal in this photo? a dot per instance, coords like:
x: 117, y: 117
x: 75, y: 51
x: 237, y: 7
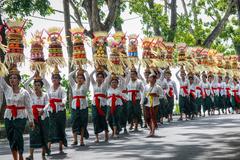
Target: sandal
x: 29, y: 158
x: 74, y: 144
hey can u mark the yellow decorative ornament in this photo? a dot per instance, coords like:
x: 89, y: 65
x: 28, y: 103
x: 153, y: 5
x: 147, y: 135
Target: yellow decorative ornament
x: 99, y: 43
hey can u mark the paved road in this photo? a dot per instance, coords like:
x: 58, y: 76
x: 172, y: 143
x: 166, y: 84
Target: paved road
x: 214, y: 138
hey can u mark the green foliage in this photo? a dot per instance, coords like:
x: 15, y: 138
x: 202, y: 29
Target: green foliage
x: 194, y: 26
x: 22, y: 8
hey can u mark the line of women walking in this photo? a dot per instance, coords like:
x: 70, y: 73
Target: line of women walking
x: 117, y: 101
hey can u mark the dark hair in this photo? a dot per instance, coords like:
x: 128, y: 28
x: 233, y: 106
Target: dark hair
x: 39, y: 81
x: 100, y: 73
x: 134, y: 72
x: 18, y: 76
x: 59, y: 76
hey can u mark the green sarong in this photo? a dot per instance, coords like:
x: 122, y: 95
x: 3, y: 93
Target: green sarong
x: 183, y: 104
x: 99, y: 122
x: 80, y: 120
x: 124, y: 115
x: 15, y: 129
x: 57, y: 125
x: 134, y: 111
x: 39, y: 135
x: 207, y: 103
x: 170, y: 104
x: 114, y: 119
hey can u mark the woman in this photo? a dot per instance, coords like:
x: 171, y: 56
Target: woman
x: 235, y: 98
x: 80, y: 88
x: 162, y: 110
x: 192, y: 107
x: 199, y: 95
x: 115, y: 102
x: 18, y: 102
x: 183, y: 93
x: 99, y: 105
x: 38, y: 136
x: 218, y: 90
x: 150, y: 99
x: 228, y: 83
x: 172, y: 90
x: 134, y: 90
x: 57, y: 112
x: 206, y: 88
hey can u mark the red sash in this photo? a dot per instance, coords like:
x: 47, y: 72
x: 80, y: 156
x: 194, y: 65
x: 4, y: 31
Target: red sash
x: 78, y: 100
x: 236, y: 97
x: 14, y: 109
x: 200, y: 89
x: 134, y: 95
x: 97, y: 102
x: 35, y: 111
x: 170, y: 92
x: 184, y: 89
x: 228, y: 92
x: 114, y: 99
x: 52, y: 102
x: 213, y: 88
x: 205, y: 89
x: 192, y: 93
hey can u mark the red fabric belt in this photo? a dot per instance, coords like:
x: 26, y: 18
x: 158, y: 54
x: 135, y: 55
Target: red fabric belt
x: 78, y: 100
x: 35, y: 111
x: 97, y: 102
x: 200, y: 89
x: 52, y: 102
x: 114, y: 99
x: 170, y: 92
x: 184, y: 89
x: 192, y: 93
x: 134, y: 95
x: 14, y: 109
x: 228, y: 92
x: 236, y: 97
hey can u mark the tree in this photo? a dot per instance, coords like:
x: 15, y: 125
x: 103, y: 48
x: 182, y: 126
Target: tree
x: 90, y: 10
x: 190, y: 26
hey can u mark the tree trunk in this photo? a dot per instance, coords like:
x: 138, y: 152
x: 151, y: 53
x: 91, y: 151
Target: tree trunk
x: 154, y: 20
x: 173, y: 25
x: 67, y: 24
x: 217, y: 30
x: 165, y: 6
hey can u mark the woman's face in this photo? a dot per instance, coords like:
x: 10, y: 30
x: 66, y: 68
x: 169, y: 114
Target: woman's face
x: 114, y: 84
x: 80, y: 79
x: 14, y: 80
x: 37, y: 86
x: 191, y: 80
x: 133, y: 75
x: 55, y: 79
x: 204, y: 78
x: 152, y: 79
x: 183, y: 75
x: 146, y: 75
x: 100, y: 78
x: 168, y: 76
